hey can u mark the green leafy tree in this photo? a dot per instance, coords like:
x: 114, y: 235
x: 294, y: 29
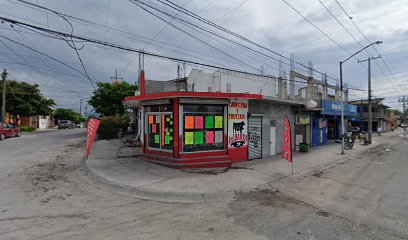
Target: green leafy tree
x: 108, y: 98
x: 68, y: 114
x: 395, y: 111
x: 26, y: 99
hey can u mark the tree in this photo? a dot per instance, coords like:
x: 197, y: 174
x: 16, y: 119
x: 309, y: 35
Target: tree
x: 26, y: 99
x: 68, y: 114
x: 395, y: 111
x: 108, y: 98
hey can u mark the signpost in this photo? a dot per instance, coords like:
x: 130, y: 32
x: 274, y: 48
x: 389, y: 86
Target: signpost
x: 93, y: 125
x: 287, y: 141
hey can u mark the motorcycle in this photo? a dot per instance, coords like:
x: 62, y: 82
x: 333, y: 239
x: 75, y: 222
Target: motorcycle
x: 348, y: 140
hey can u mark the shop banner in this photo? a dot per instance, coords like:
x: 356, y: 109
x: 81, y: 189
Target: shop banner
x: 93, y: 125
x: 287, y: 141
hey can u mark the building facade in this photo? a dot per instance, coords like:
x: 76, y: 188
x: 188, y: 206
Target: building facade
x: 379, y: 119
x: 225, y: 117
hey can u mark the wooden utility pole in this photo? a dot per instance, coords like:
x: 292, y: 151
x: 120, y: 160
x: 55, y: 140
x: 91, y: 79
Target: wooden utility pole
x: 3, y: 96
x: 116, y: 78
x: 370, y: 114
x: 404, y: 100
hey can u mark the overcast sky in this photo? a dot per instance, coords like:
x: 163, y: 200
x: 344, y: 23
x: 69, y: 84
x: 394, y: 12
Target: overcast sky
x: 271, y: 23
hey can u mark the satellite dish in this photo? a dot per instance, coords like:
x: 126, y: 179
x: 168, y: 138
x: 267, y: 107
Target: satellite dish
x: 311, y: 104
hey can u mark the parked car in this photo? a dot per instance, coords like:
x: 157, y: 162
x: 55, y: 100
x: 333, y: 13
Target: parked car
x: 66, y: 124
x: 8, y: 130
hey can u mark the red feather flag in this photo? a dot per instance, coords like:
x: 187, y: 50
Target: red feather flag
x: 92, y: 125
x: 287, y: 141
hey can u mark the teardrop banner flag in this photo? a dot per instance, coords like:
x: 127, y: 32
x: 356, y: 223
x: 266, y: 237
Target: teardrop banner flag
x: 93, y: 125
x: 287, y: 141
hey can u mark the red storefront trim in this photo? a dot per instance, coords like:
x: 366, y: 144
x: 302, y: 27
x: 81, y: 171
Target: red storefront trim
x: 160, y: 153
x: 204, y: 154
x: 176, y: 127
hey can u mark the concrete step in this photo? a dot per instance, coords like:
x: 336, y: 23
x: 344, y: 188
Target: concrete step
x: 197, y: 164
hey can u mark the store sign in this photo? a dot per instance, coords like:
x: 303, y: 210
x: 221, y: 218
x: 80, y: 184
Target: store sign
x: 303, y: 119
x: 237, y: 124
x: 336, y: 106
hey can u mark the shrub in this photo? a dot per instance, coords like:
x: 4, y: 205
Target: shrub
x: 27, y: 128
x: 108, y: 127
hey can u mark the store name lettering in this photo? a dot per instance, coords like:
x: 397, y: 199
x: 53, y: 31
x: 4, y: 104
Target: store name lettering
x: 236, y: 116
x: 238, y: 105
x: 336, y: 106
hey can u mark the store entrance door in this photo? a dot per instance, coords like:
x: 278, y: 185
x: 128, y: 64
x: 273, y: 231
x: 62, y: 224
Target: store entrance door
x: 331, y: 129
x: 160, y: 131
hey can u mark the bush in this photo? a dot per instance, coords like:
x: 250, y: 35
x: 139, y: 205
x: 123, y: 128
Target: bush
x: 27, y: 128
x: 109, y: 126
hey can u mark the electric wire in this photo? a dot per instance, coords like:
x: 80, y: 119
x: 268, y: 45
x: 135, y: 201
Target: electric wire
x: 112, y: 45
x: 23, y: 45
x: 368, y: 40
x: 208, y: 22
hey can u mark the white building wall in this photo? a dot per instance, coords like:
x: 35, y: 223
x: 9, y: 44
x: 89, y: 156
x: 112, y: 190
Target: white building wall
x: 43, y: 122
x: 229, y: 81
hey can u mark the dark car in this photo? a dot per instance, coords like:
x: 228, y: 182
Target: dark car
x: 8, y: 130
x: 66, y: 124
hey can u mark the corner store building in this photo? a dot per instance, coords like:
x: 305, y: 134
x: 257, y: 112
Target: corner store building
x: 193, y: 129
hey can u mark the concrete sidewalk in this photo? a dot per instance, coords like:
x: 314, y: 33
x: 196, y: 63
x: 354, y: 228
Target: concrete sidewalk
x: 113, y: 164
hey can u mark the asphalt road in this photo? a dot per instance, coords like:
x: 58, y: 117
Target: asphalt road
x: 44, y: 196
x: 371, y: 189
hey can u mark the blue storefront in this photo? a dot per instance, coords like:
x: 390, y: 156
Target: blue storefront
x: 326, y: 124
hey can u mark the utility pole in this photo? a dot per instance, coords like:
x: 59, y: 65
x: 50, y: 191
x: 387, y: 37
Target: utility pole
x: 115, y: 78
x: 341, y: 91
x: 3, y: 96
x: 80, y: 105
x: 370, y: 113
x: 404, y: 99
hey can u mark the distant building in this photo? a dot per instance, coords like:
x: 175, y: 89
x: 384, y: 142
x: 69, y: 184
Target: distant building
x: 378, y: 114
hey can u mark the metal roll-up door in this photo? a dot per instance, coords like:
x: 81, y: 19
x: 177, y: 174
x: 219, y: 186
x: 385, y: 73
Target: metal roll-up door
x: 255, y: 137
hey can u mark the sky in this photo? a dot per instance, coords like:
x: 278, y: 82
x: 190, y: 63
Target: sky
x: 323, y: 32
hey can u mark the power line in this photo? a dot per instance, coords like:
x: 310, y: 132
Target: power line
x: 116, y: 46
x: 191, y: 35
x: 95, y: 25
x: 21, y: 44
x: 232, y: 9
x: 193, y: 26
x: 154, y: 37
x: 368, y: 40
x: 208, y: 22
x: 117, y: 31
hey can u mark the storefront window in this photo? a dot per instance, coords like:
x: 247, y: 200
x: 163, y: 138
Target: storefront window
x: 160, y: 127
x: 203, y: 128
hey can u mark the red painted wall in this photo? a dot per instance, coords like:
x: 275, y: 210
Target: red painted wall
x: 176, y: 127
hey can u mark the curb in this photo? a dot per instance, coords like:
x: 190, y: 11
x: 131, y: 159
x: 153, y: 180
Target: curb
x: 281, y: 183
x: 145, y: 194
x: 202, y: 197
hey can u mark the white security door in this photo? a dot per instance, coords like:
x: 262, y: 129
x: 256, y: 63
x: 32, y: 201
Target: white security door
x: 273, y: 141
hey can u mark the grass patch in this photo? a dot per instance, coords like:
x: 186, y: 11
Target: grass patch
x: 27, y: 128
